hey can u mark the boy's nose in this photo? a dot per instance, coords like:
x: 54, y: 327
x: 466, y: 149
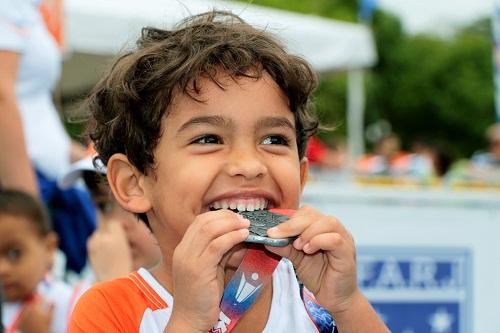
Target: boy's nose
x: 247, y: 164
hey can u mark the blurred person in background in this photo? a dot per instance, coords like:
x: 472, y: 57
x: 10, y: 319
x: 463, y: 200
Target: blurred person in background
x: 31, y: 129
x: 389, y: 159
x: 33, y: 300
x: 438, y: 155
x: 491, y: 157
x: 483, y: 168
x: 321, y: 155
x: 32, y: 136
x: 386, y: 152
x: 121, y: 243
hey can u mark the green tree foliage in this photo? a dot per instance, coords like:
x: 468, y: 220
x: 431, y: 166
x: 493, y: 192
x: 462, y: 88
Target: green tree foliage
x: 337, y: 9
x: 431, y: 88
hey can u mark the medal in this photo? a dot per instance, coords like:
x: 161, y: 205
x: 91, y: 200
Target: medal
x: 261, y: 220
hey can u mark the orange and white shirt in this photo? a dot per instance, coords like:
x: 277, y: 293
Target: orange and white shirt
x: 138, y: 303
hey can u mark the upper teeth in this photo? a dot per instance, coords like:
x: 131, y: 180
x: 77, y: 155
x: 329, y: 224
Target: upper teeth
x: 241, y: 205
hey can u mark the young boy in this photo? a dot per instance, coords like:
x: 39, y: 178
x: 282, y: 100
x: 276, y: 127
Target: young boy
x: 215, y: 114
x: 34, y: 302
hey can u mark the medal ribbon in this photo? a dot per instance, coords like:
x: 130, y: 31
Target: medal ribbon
x: 247, y: 283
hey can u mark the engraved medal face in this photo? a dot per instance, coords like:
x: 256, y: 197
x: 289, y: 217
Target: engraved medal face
x: 260, y: 221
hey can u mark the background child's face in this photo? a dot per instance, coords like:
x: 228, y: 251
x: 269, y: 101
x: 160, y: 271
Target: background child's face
x: 25, y: 256
x: 237, y: 147
x: 143, y: 245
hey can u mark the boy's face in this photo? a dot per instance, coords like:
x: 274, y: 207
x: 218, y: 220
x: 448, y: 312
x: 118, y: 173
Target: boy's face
x: 25, y: 256
x: 237, y: 148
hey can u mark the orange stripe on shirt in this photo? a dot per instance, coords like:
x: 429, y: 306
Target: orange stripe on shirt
x: 148, y: 290
x: 114, y: 306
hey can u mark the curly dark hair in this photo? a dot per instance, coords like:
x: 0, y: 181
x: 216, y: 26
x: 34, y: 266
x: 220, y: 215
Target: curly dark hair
x: 128, y: 105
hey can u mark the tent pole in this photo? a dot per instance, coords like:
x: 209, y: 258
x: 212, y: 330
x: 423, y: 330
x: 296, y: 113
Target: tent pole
x: 355, y: 115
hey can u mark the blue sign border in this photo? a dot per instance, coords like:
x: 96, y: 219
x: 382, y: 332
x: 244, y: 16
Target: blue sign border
x: 466, y: 308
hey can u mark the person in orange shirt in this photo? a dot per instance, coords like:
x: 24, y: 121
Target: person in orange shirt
x: 197, y: 126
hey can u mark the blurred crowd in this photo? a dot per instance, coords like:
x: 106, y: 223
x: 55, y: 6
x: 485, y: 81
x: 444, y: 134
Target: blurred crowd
x: 425, y: 163
x: 60, y: 228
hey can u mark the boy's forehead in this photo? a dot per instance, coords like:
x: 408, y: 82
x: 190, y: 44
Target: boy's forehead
x: 205, y: 90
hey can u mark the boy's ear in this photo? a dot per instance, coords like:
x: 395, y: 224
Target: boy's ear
x: 127, y: 184
x: 304, y: 172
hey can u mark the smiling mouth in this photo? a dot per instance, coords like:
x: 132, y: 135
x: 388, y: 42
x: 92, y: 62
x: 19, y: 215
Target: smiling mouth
x: 241, y: 205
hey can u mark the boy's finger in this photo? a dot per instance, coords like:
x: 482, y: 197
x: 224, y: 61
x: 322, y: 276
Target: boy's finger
x: 204, y: 218
x: 307, y: 210
x: 293, y: 227
x: 114, y: 226
x: 324, y: 225
x: 331, y: 242
x: 217, y: 228
x: 216, y: 249
x: 202, y: 233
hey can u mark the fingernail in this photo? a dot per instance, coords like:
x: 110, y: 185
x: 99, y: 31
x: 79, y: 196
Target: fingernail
x: 243, y: 219
x: 298, y: 243
x: 272, y: 230
x: 244, y: 231
x: 306, y: 247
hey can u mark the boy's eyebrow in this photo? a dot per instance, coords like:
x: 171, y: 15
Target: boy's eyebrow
x: 219, y: 121
x: 216, y: 121
x: 269, y: 122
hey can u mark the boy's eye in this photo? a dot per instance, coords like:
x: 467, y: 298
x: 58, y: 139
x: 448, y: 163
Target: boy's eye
x: 14, y: 254
x: 208, y: 139
x: 275, y: 140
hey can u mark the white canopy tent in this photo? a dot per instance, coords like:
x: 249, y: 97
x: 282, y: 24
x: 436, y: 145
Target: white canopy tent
x: 104, y: 27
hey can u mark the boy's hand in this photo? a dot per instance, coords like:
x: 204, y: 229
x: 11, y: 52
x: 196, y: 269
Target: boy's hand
x: 323, y: 255
x: 109, y: 251
x: 36, y: 317
x: 198, y: 268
